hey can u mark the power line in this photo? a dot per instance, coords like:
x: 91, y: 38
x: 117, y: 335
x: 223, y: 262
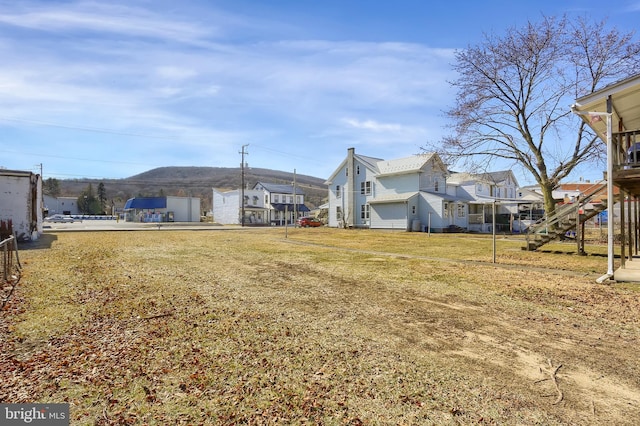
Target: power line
x: 84, y: 129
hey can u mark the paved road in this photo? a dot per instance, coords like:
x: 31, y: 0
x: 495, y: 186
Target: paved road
x: 112, y: 225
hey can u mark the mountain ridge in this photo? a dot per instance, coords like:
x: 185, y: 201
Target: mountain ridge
x: 195, y: 181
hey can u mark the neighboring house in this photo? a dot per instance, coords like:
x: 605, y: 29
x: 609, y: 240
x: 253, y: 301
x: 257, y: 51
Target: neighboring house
x: 567, y: 193
x: 264, y: 204
x: 162, y: 209
x: 480, y: 191
x: 20, y: 204
x: 61, y: 205
x: 407, y: 193
x: 415, y: 193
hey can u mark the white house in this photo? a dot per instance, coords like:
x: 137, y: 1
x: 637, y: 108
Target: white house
x: 264, y: 204
x: 415, y: 193
x: 482, y: 190
x: 20, y: 204
x: 407, y: 193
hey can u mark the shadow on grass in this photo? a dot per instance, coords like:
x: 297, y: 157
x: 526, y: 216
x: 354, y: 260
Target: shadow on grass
x: 43, y: 242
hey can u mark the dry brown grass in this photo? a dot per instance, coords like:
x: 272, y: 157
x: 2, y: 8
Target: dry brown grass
x: 326, y: 327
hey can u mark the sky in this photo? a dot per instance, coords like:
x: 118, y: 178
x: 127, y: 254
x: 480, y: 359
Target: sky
x: 111, y: 89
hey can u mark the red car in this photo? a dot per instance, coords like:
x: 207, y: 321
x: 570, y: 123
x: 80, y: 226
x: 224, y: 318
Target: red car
x: 305, y: 222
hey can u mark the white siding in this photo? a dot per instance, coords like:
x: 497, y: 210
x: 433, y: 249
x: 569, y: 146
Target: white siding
x: 21, y: 203
x: 226, y: 207
x: 397, y: 184
x: 389, y: 216
x: 431, y: 211
x: 336, y: 201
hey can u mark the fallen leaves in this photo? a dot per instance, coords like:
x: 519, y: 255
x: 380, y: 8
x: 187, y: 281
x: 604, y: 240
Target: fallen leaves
x: 201, y: 328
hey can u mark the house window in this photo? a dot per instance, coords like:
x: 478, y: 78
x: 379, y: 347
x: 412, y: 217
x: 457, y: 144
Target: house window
x: 413, y: 209
x: 276, y: 198
x: 357, y: 170
x: 266, y: 199
x: 255, y: 200
x: 460, y: 210
x: 479, y: 188
x: 364, y: 211
x: 435, y: 185
x: 365, y: 188
x: 339, y: 213
x: 246, y: 200
x: 338, y: 194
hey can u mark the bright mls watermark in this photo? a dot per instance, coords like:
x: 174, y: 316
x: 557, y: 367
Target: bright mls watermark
x: 34, y: 414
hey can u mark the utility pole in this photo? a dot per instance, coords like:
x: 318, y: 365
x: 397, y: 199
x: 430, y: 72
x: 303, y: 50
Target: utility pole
x: 243, y: 152
x: 295, y: 202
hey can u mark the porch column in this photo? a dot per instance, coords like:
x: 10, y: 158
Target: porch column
x: 623, y: 242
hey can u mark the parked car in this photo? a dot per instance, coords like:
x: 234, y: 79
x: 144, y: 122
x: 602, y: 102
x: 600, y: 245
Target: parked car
x: 59, y: 218
x: 305, y: 222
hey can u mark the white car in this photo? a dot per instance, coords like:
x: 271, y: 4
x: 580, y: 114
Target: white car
x: 59, y: 218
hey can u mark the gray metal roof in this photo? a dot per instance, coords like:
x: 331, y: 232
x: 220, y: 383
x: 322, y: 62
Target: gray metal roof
x: 280, y: 188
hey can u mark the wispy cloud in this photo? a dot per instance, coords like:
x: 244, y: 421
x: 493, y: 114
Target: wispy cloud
x: 374, y: 126
x: 139, y: 70
x: 102, y: 17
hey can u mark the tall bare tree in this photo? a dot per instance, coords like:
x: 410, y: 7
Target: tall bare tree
x: 514, y: 94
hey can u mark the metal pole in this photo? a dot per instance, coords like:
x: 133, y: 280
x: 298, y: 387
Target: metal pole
x: 295, y: 202
x: 494, y: 231
x: 578, y: 233
x: 243, y: 152
x: 610, y: 200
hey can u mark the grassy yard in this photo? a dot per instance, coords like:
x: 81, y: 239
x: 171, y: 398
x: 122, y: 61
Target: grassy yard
x: 321, y: 326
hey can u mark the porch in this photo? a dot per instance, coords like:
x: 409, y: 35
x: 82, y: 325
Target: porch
x: 613, y: 113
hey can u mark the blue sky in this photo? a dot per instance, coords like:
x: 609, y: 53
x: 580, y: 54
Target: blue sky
x: 110, y: 89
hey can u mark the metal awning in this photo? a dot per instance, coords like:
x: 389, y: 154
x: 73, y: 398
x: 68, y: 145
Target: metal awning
x: 142, y: 203
x: 290, y: 207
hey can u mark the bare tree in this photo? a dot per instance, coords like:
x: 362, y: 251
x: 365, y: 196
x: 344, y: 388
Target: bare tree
x: 514, y: 94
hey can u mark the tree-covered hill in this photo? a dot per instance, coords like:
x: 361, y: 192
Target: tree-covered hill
x: 195, y: 182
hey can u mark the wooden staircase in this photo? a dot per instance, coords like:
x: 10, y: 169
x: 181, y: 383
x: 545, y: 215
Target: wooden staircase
x: 565, y: 218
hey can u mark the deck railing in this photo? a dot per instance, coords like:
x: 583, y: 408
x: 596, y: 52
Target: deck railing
x: 626, y: 149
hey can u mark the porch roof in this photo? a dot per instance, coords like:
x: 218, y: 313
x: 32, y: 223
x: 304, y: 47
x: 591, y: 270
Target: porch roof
x: 393, y: 198
x: 625, y: 105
